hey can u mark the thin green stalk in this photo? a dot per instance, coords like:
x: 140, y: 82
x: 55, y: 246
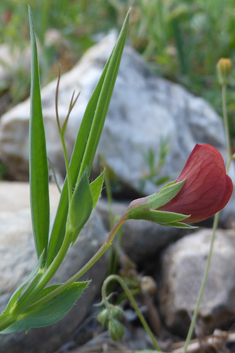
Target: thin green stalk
x: 117, y: 251
x: 87, y: 266
x: 24, y: 301
x: 195, y: 314
x: 54, y: 175
x: 61, y: 132
x: 111, y: 215
x: 132, y: 300
x: 226, y: 125
x: 67, y: 167
x: 215, y: 224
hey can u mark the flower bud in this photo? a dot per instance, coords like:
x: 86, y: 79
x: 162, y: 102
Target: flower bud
x: 224, y: 68
x: 116, y: 312
x: 202, y: 189
x: 103, y: 317
x: 115, y: 329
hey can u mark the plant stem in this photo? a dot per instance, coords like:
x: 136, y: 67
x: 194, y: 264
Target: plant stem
x: 62, y: 132
x: 215, y: 224
x: 67, y: 167
x: 7, y: 321
x: 226, y: 125
x: 195, y: 314
x: 87, y: 266
x: 132, y: 300
x: 24, y: 301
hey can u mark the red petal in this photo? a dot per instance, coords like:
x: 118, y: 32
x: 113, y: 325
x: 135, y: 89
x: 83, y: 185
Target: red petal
x: 207, y: 187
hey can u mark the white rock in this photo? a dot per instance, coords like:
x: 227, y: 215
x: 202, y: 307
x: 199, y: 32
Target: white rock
x: 11, y: 60
x: 17, y: 260
x: 144, y: 109
x: 183, y: 268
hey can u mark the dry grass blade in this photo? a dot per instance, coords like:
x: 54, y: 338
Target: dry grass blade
x: 218, y: 340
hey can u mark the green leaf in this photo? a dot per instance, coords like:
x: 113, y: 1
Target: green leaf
x: 88, y: 138
x: 96, y: 188
x: 164, y: 217
x: 45, y: 292
x: 38, y: 167
x: 48, y: 312
x: 19, y: 290
x: 104, y: 99
x: 81, y: 204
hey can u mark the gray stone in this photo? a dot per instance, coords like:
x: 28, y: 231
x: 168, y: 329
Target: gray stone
x: 17, y: 259
x: 12, y: 60
x: 141, y: 239
x: 183, y: 267
x: 144, y: 109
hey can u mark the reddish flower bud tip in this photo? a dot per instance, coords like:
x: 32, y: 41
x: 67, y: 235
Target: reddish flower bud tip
x: 207, y: 188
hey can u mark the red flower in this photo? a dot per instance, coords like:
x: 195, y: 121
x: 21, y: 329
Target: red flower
x: 207, y: 188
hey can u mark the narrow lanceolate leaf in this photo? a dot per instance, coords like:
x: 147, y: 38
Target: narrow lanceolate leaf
x: 38, y: 167
x: 49, y: 311
x: 88, y: 138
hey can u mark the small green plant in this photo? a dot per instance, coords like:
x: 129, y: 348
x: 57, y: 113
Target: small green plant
x: 154, y: 175
x: 34, y: 304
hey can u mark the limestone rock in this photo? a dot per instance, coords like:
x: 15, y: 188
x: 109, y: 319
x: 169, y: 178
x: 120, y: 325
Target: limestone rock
x: 183, y: 267
x: 144, y: 110
x: 17, y: 259
x: 11, y: 60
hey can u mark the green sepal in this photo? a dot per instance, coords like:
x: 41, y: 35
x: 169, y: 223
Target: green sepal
x: 163, y: 217
x: 164, y: 195
x: 96, y: 188
x: 81, y: 204
x: 179, y: 225
x: 140, y: 206
x: 48, y: 312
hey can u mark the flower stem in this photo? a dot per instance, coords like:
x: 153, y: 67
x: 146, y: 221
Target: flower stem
x: 132, y: 300
x: 215, y: 225
x: 226, y: 125
x: 200, y: 295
